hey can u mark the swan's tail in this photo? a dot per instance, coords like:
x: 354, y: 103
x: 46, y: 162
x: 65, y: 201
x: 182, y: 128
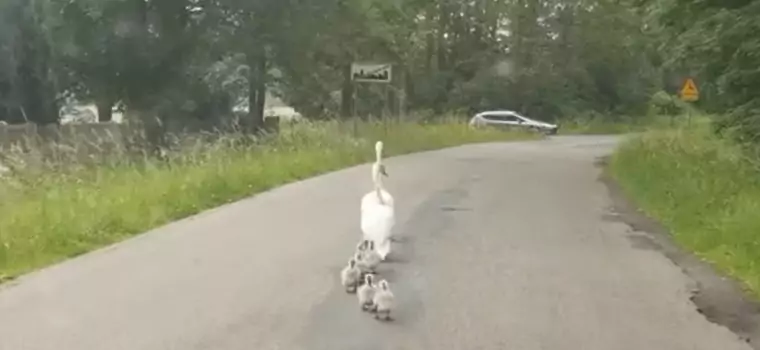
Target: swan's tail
x: 383, y: 248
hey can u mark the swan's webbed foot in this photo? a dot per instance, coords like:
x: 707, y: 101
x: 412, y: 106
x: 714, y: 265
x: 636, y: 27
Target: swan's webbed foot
x: 383, y: 315
x: 369, y: 307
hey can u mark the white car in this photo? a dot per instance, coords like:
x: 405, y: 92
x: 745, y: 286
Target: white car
x: 511, y: 119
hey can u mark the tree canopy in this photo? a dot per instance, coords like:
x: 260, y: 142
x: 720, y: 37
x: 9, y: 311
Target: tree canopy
x: 195, y: 60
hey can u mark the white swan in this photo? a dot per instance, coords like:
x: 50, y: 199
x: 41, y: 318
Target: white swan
x: 366, y: 293
x: 370, y: 257
x: 383, y: 301
x: 378, y: 170
x: 377, y: 211
x: 350, y: 276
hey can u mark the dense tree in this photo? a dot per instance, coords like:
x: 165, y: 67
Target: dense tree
x: 188, y: 61
x: 716, y: 42
x: 27, y: 83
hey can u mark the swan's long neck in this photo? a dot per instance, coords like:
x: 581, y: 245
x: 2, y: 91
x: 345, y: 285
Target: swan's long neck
x: 378, y: 151
x: 376, y: 176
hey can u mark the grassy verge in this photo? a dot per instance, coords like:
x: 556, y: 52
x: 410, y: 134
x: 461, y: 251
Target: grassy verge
x: 599, y: 125
x: 50, y: 216
x: 703, y: 189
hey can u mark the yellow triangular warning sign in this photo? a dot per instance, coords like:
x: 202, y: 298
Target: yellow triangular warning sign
x: 689, y: 91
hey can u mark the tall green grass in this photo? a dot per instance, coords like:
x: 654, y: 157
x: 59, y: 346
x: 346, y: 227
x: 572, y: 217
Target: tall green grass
x: 593, y: 124
x: 49, y: 216
x: 701, y: 187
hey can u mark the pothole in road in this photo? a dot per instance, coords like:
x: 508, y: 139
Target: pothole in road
x: 454, y: 208
x: 643, y: 242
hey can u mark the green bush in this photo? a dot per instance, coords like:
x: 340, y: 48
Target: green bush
x: 662, y: 103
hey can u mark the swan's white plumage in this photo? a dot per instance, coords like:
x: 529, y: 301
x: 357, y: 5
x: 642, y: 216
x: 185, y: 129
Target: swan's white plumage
x: 377, y: 209
x: 371, y: 256
x: 378, y: 170
x: 383, y: 300
x: 377, y: 224
x: 350, y: 276
x: 366, y: 293
x: 370, y: 199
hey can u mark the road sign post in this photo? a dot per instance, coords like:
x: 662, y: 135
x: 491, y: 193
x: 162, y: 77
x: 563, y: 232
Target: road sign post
x: 689, y: 93
x: 378, y: 73
x: 371, y: 73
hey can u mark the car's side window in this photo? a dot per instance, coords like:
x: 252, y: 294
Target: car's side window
x: 500, y: 117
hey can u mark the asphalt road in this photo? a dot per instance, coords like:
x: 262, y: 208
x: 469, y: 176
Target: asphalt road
x: 505, y: 246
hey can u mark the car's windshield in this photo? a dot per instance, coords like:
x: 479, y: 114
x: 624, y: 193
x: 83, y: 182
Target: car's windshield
x: 120, y: 116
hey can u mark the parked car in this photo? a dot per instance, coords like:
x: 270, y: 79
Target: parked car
x: 511, y: 119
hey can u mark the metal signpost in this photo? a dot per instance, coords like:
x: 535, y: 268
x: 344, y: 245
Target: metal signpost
x: 378, y: 73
